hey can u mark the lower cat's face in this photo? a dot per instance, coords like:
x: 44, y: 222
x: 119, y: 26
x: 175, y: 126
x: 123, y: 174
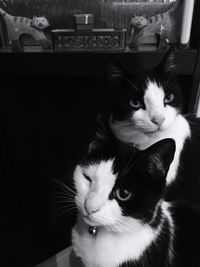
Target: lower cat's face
x: 117, y: 197
x: 94, y: 184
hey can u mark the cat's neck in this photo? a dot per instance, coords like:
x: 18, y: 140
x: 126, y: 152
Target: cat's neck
x: 129, y: 134
x: 179, y: 130
x: 112, y: 249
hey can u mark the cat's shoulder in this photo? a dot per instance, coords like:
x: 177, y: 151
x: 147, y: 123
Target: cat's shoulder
x: 194, y: 124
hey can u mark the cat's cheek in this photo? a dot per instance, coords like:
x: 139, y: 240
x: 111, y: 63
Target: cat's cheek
x: 80, y: 182
x: 82, y: 188
x: 170, y: 115
x: 110, y: 214
x: 140, y: 117
x: 137, y: 115
x: 79, y: 203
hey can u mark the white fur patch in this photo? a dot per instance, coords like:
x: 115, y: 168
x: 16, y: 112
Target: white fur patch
x: 165, y: 208
x: 110, y: 249
x: 94, y: 196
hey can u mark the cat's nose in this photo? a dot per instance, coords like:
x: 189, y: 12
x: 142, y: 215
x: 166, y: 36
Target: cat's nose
x: 90, y: 210
x: 158, y: 120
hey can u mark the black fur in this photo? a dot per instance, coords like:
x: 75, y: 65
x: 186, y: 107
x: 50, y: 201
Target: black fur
x: 155, y: 255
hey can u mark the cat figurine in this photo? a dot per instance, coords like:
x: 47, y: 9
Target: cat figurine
x: 146, y: 108
x: 123, y: 219
x: 22, y: 27
x: 159, y: 25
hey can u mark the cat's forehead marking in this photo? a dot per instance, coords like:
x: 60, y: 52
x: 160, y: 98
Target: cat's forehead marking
x: 102, y: 173
x: 154, y: 94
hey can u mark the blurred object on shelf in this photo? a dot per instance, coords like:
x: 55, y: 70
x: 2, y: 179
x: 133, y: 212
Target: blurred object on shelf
x: 148, y: 23
x: 186, y: 23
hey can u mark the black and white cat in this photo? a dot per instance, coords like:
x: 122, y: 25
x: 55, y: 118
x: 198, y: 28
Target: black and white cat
x: 122, y: 217
x: 146, y: 108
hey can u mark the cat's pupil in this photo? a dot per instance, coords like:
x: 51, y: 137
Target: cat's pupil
x: 122, y: 194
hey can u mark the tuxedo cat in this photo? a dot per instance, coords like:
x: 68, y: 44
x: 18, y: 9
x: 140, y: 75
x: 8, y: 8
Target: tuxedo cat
x: 146, y: 108
x: 122, y: 217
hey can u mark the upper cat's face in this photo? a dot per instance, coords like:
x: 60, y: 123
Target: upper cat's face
x: 120, y: 191
x: 40, y: 22
x: 147, y: 102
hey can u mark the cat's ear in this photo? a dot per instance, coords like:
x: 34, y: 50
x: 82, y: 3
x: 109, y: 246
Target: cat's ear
x: 159, y: 157
x: 168, y: 64
x: 102, y: 135
x: 114, y: 72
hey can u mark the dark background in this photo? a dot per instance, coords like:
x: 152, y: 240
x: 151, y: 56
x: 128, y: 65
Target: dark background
x: 45, y: 125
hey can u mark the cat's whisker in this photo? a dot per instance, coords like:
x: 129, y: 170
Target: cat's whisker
x: 66, y: 199
x: 63, y: 201
x: 64, y: 190
x: 66, y: 212
x: 132, y: 84
x: 130, y: 166
x: 82, y: 158
x: 129, y: 162
x: 114, y: 227
x: 66, y: 206
x: 66, y: 187
x: 63, y: 186
x: 126, y: 225
x: 126, y: 124
x: 61, y: 194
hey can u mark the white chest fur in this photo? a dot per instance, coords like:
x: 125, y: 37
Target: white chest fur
x: 179, y: 131
x: 108, y: 249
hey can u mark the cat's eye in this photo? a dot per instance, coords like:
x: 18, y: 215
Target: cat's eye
x: 169, y: 98
x: 123, y: 194
x: 136, y: 104
x: 87, y: 177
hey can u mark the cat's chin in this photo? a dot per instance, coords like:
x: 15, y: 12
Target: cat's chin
x: 91, y: 222
x: 152, y: 131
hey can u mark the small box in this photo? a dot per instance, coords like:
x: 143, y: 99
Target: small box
x: 84, y: 22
